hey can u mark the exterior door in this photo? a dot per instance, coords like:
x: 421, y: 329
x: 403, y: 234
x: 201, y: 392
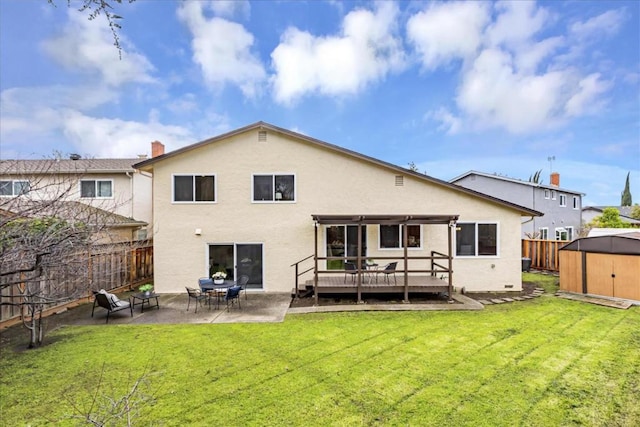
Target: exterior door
x: 342, y: 241
x: 237, y: 259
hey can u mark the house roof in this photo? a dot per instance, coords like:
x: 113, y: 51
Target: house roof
x: 57, y: 166
x: 515, y: 181
x: 625, y: 244
x: 625, y: 211
x: 147, y: 165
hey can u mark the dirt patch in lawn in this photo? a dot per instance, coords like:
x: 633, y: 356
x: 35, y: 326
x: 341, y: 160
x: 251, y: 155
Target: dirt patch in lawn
x: 527, y: 288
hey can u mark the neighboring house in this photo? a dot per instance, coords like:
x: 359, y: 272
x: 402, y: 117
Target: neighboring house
x: 256, y: 200
x: 112, y: 185
x: 561, y: 207
x: 590, y: 212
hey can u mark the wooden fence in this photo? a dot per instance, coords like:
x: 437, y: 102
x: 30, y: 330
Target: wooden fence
x: 543, y: 253
x: 108, y: 267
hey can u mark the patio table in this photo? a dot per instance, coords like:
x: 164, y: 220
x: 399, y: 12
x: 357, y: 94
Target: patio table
x: 213, y: 290
x: 145, y: 298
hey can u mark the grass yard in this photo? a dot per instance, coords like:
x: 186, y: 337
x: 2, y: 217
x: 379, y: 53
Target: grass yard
x: 544, y: 362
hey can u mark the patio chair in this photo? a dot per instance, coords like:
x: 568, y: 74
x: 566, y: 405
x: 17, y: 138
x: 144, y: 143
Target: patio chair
x: 232, y: 296
x: 388, y: 270
x: 196, y: 295
x: 242, y: 282
x: 111, y: 303
x: 350, y: 268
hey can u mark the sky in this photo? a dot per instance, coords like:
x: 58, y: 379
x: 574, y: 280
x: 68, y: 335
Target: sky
x: 497, y: 87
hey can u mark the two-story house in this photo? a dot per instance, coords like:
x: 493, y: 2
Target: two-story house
x: 562, y: 208
x: 109, y: 185
x: 256, y: 200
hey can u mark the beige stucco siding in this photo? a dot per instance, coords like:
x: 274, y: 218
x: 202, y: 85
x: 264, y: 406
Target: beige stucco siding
x: 327, y: 182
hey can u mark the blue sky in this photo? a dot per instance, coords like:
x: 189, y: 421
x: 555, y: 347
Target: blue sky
x: 497, y: 87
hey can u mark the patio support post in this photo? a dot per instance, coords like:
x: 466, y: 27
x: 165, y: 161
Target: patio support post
x: 452, y: 226
x: 359, y: 262
x: 405, y: 243
x: 315, y: 262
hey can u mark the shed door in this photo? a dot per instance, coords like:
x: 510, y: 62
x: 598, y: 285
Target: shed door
x: 626, y: 284
x: 599, y: 271
x: 571, y: 271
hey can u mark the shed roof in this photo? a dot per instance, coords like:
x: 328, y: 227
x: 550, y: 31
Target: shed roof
x: 624, y: 244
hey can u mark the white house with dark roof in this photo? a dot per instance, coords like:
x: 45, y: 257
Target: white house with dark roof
x: 112, y: 185
x: 562, y: 208
x: 590, y: 212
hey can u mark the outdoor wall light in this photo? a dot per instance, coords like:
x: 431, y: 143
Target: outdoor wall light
x: 198, y: 231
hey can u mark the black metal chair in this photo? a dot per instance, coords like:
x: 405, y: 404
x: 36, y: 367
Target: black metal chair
x: 196, y: 295
x: 388, y: 270
x: 111, y: 303
x: 350, y: 268
x: 232, y: 296
x: 242, y: 282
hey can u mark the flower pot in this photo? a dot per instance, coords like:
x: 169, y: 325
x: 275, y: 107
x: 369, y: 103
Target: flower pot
x: 147, y: 293
x: 218, y: 281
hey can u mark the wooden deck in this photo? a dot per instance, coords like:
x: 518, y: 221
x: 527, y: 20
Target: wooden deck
x: 336, y: 284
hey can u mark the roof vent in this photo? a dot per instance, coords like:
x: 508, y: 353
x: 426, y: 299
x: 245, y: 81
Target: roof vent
x: 75, y: 156
x: 399, y: 180
x: 262, y: 135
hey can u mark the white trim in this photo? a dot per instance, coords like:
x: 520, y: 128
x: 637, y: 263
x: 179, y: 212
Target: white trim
x: 273, y: 178
x: 563, y: 200
x: 191, y: 202
x: 481, y: 222
x: 13, y: 188
x: 95, y: 188
x: 553, y: 194
x: 547, y: 193
x: 546, y: 236
x: 576, y: 203
x: 234, y: 245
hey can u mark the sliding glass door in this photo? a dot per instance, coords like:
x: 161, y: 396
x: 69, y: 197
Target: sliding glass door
x: 342, y: 240
x: 238, y: 259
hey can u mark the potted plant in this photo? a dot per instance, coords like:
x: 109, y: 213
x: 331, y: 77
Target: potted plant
x: 218, y: 277
x: 146, y: 288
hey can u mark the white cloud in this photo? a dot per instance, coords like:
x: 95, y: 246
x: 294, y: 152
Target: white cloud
x: 109, y: 138
x: 447, y: 31
x: 222, y: 49
x: 516, y: 24
x: 365, y: 51
x: 229, y: 8
x: 449, y: 123
x: 87, y: 46
x: 605, y: 24
x: 586, y: 98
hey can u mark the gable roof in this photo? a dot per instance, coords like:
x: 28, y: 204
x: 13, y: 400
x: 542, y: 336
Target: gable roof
x: 65, y: 166
x: 513, y: 180
x: 147, y: 165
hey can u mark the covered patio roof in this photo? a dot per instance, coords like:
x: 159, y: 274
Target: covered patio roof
x: 389, y: 219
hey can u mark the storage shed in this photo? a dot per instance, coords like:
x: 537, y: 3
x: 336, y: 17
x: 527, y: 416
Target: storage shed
x: 603, y: 265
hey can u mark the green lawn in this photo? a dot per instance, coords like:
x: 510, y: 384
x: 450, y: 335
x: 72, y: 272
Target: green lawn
x: 544, y: 362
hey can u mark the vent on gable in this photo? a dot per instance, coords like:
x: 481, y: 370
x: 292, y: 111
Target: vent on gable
x: 399, y: 180
x: 262, y: 135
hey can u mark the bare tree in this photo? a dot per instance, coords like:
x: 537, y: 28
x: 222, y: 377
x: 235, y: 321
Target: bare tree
x: 44, y: 238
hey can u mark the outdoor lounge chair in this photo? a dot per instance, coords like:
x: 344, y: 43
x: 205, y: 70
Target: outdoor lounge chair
x: 350, y: 268
x: 232, y: 296
x: 196, y: 295
x: 389, y: 269
x: 242, y: 282
x: 111, y: 303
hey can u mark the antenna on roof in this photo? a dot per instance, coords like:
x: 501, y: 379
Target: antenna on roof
x: 551, y: 159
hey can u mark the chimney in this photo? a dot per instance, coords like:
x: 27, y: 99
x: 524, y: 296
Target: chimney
x: 555, y: 179
x: 157, y: 149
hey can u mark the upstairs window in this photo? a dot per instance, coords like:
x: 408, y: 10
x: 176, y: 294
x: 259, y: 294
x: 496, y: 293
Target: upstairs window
x: 392, y: 238
x: 274, y: 188
x: 96, y: 189
x: 553, y: 194
x: 576, y: 203
x: 546, y: 194
x: 14, y: 188
x: 194, y: 188
x: 563, y: 200
x: 477, y: 239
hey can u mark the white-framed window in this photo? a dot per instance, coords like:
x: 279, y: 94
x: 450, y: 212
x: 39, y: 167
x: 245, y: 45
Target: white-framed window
x: 553, y: 194
x: 273, y: 188
x: 576, y: 202
x: 569, y: 233
x: 562, y: 233
x: 477, y: 239
x: 96, y: 188
x: 392, y: 236
x: 544, y: 233
x: 546, y: 194
x: 194, y: 188
x: 563, y: 200
x: 14, y: 187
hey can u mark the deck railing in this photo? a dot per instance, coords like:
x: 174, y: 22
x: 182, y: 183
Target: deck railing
x: 543, y: 253
x: 300, y: 273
